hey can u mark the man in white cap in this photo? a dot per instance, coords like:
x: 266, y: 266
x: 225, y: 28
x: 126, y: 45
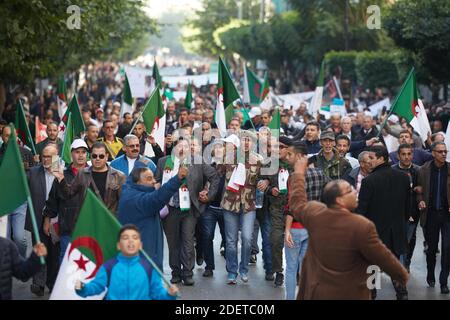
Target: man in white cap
x: 255, y: 116
x: 66, y: 210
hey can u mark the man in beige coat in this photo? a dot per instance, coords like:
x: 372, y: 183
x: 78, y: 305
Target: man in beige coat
x: 342, y: 245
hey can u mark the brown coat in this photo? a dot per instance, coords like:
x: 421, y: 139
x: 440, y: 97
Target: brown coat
x: 114, y: 181
x: 341, y: 247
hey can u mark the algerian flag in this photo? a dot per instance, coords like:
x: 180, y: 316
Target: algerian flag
x: 93, y: 243
x: 188, y: 100
x: 252, y: 87
x: 316, y: 101
x: 153, y: 115
x: 266, y: 96
x: 409, y: 106
x: 77, y: 119
x: 15, y: 189
x: 227, y: 94
x: 68, y: 139
x: 23, y: 132
x: 275, y: 124
x: 127, y: 102
x: 61, y: 96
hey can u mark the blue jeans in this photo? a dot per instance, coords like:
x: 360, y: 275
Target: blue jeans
x: 294, y: 258
x: 16, y: 223
x: 64, y: 242
x: 266, y: 228
x: 232, y: 222
x: 208, y: 226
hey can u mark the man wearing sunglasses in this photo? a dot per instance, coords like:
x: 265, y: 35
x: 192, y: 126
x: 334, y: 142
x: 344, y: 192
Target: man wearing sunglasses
x: 105, y: 181
x: 433, y: 200
x: 125, y: 163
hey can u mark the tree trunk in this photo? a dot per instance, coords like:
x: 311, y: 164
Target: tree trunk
x: 2, y: 97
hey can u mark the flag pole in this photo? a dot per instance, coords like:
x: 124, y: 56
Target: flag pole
x: 396, y: 99
x: 167, y: 282
x: 34, y: 223
x: 27, y: 191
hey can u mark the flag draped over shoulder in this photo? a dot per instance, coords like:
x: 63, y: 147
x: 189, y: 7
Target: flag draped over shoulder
x: 15, y: 189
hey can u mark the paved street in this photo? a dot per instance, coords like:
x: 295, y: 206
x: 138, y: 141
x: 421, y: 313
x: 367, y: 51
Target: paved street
x: 257, y: 288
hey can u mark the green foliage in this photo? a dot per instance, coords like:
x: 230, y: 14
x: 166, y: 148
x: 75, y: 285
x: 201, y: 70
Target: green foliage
x: 214, y: 15
x: 306, y: 34
x: 423, y: 27
x: 344, y: 59
x: 377, y: 69
x: 36, y: 42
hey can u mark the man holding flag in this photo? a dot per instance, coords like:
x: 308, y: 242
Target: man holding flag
x: 14, y: 265
x: 16, y: 219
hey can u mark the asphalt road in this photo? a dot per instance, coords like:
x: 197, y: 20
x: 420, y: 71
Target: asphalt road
x: 215, y: 288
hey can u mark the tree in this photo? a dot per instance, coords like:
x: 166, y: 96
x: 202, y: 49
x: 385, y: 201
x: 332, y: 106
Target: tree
x: 213, y: 15
x: 423, y: 28
x: 36, y: 42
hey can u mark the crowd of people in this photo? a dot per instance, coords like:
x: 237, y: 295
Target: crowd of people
x: 197, y: 179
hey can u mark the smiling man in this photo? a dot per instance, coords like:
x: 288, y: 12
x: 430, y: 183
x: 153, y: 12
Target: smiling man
x: 125, y: 163
x: 328, y: 159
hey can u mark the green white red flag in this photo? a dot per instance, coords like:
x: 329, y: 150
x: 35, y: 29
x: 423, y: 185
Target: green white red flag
x: 93, y: 243
x: 252, y: 87
x: 409, y: 106
x: 227, y: 94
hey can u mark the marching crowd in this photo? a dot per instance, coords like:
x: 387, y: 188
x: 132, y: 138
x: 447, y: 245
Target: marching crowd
x: 248, y: 183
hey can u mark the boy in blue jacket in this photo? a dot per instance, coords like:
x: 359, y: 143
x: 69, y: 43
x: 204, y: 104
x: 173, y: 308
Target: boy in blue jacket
x: 129, y: 276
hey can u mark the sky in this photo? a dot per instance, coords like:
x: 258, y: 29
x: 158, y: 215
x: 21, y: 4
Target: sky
x: 155, y: 8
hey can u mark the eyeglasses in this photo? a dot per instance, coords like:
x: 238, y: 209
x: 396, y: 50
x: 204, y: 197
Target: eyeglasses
x: 133, y: 146
x: 441, y: 151
x: 351, y: 190
x: 95, y: 156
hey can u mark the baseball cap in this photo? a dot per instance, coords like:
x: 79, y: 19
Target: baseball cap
x: 327, y: 135
x: 78, y: 143
x: 233, y: 139
x: 393, y: 118
x: 255, y: 111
